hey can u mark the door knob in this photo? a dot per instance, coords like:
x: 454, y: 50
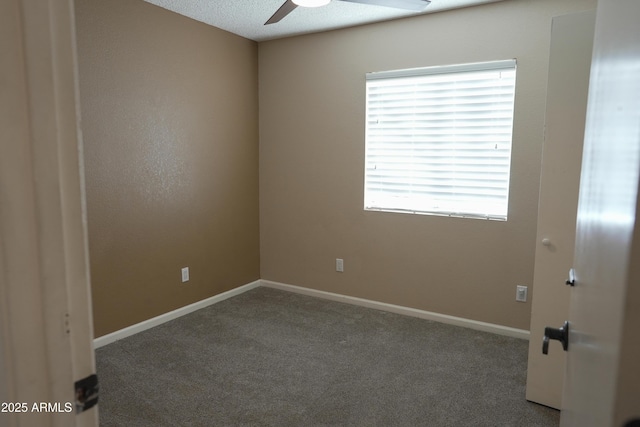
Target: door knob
x: 560, y: 334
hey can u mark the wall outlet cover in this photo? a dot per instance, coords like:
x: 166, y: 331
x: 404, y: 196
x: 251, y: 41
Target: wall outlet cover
x: 521, y: 293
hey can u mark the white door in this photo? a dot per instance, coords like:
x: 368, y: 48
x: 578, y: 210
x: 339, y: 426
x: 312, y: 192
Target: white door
x: 45, y: 312
x: 602, y: 379
x: 568, y: 85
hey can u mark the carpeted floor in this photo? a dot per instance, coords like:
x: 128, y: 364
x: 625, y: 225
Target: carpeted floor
x: 274, y: 358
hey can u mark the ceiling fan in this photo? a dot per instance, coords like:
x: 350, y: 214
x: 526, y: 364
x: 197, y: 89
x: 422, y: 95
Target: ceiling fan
x: 290, y: 5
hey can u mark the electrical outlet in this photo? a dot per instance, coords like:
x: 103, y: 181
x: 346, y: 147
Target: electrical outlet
x: 339, y: 265
x: 185, y: 274
x: 521, y: 293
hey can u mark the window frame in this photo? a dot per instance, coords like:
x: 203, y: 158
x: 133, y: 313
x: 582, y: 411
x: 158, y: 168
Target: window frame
x: 509, y: 66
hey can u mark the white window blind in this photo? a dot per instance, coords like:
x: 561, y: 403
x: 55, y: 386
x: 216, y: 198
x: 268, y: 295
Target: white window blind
x: 438, y: 139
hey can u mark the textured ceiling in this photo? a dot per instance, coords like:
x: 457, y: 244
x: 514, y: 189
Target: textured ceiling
x: 246, y: 18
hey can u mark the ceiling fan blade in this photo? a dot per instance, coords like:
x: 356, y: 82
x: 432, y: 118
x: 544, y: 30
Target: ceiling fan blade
x: 284, y: 10
x: 418, y: 5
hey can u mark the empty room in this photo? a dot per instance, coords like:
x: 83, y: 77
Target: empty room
x: 366, y: 213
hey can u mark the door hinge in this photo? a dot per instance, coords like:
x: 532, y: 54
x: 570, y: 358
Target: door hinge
x: 86, y: 392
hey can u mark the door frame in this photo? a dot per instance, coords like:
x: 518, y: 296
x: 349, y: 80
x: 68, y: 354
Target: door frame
x: 46, y: 330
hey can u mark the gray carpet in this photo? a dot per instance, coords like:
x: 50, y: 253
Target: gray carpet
x: 274, y: 358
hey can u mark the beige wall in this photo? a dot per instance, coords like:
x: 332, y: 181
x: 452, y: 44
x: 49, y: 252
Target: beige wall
x: 170, y: 123
x: 170, y: 128
x: 312, y: 94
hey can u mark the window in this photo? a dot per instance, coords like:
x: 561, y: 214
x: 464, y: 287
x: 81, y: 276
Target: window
x: 438, y: 140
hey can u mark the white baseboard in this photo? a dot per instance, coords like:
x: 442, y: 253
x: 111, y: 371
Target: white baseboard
x: 442, y: 318
x: 413, y: 312
x: 163, y: 318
